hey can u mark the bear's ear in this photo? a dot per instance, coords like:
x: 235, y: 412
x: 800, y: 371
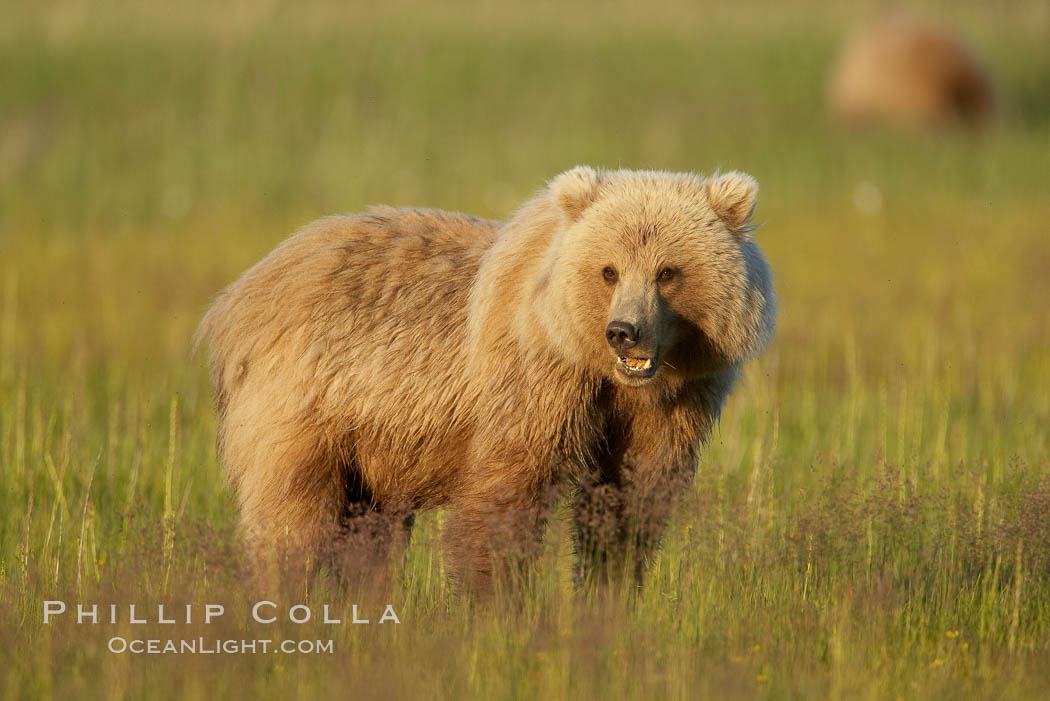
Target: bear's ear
x: 575, y: 190
x: 733, y: 196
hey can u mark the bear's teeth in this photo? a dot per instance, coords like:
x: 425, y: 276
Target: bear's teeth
x: 636, y: 363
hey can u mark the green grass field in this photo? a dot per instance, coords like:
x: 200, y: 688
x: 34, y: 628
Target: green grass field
x: 871, y: 520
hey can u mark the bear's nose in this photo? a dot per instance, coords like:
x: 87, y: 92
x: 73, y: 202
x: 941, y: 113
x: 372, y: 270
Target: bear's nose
x: 621, y: 335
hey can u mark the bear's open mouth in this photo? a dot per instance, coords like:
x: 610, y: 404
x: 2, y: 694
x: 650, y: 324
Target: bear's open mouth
x: 636, y: 367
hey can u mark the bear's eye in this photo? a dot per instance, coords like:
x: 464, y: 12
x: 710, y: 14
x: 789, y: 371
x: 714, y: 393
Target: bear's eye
x: 609, y: 274
x: 665, y: 275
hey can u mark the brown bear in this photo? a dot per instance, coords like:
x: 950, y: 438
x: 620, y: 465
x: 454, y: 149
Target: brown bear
x: 902, y: 72
x: 404, y: 359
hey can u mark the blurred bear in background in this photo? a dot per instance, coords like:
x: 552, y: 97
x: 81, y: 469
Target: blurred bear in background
x: 904, y: 73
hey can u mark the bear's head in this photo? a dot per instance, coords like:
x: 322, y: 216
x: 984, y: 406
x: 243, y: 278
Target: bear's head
x: 652, y: 277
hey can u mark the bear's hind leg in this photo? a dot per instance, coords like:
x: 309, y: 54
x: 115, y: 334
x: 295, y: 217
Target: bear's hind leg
x: 291, y: 511
x: 371, y: 537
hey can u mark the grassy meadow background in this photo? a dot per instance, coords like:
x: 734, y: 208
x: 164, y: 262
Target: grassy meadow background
x: 872, y: 519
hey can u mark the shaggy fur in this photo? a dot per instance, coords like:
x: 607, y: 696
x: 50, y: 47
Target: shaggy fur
x: 905, y: 73
x: 404, y: 359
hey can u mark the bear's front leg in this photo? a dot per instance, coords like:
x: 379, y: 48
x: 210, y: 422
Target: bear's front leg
x: 494, y: 535
x: 620, y: 515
